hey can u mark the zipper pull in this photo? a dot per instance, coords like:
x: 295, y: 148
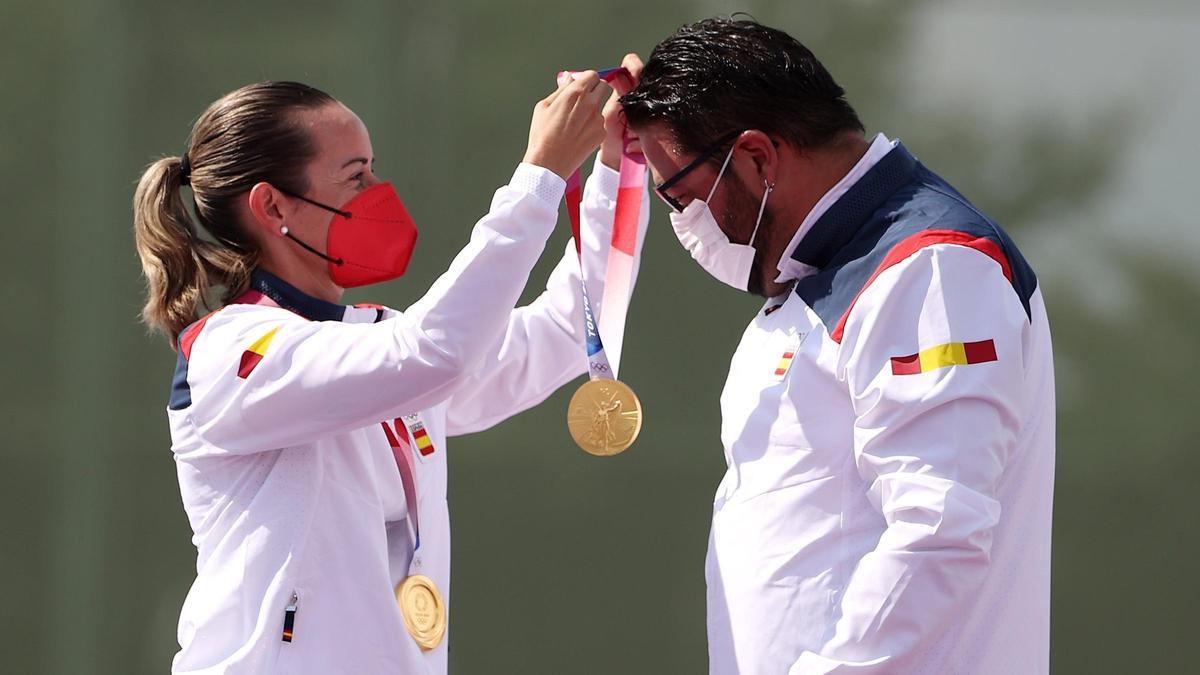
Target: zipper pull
x: 289, y: 617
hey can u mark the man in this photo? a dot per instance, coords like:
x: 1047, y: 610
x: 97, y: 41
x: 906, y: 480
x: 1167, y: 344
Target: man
x: 888, y: 421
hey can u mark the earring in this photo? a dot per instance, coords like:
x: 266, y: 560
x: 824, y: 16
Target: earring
x: 283, y: 230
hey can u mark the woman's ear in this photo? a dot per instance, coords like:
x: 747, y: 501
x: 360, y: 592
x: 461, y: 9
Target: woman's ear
x: 267, y: 208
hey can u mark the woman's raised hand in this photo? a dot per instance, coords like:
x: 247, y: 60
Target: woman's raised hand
x: 567, y: 125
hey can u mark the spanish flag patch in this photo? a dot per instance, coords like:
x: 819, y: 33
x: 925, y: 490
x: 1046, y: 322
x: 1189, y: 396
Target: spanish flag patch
x: 785, y: 362
x: 252, y: 356
x: 424, y: 445
x: 945, y: 356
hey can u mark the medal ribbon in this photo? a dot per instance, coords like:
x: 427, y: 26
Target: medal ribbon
x: 618, y: 277
x: 402, y: 452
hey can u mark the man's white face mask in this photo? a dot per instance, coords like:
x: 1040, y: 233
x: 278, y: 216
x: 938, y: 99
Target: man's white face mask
x: 697, y: 230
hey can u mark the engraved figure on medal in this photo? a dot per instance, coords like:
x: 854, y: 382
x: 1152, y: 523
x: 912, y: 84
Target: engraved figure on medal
x: 604, y: 417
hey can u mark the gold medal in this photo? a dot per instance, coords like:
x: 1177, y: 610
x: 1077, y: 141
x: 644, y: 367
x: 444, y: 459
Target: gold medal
x: 604, y: 417
x: 423, y: 610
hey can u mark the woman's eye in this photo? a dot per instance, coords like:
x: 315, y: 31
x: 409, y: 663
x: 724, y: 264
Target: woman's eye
x: 358, y: 176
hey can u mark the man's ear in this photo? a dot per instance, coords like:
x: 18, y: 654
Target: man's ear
x: 762, y: 151
x: 267, y: 208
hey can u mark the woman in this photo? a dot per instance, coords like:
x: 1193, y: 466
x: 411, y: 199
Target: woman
x: 309, y: 437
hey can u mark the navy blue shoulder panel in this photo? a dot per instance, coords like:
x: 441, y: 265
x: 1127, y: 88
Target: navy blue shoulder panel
x: 181, y: 393
x: 854, y: 244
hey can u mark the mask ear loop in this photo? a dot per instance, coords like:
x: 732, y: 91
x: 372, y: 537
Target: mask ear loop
x: 761, y: 209
x: 728, y: 157
x: 334, y: 261
x: 345, y: 214
x: 283, y: 229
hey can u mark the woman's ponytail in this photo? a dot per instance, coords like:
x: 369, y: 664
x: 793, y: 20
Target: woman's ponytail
x: 165, y: 236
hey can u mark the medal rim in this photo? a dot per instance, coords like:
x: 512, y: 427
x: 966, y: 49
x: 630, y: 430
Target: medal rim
x: 595, y: 383
x: 427, y: 639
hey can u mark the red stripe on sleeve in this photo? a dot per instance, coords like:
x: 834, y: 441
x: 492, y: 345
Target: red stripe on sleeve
x: 980, y: 352
x: 906, y: 365
x: 924, y: 240
x: 250, y: 361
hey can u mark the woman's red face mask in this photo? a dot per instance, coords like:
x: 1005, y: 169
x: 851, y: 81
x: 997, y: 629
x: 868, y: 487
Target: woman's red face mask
x: 371, y: 237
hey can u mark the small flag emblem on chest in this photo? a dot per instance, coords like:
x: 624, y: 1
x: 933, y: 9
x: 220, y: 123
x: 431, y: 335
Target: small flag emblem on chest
x: 424, y: 445
x: 785, y: 363
x: 254, y: 355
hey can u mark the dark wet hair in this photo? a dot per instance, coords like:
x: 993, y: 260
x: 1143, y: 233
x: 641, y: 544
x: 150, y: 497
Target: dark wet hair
x: 723, y: 75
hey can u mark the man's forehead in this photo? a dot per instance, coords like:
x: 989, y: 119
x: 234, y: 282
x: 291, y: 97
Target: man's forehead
x: 661, y: 150
x: 662, y: 137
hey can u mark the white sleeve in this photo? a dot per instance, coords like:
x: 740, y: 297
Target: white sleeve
x: 931, y: 446
x: 543, y: 347
x: 324, y: 377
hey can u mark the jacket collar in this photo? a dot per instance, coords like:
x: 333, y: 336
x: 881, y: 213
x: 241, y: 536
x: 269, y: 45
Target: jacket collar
x: 293, y: 299
x: 845, y: 217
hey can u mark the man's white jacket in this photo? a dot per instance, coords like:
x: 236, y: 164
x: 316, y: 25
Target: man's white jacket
x: 889, y: 432
x: 278, y: 413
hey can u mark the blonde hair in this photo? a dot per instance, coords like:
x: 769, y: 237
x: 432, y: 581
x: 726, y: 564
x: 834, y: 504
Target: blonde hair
x: 246, y: 137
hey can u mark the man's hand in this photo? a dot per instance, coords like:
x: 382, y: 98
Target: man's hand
x: 614, y: 120
x: 567, y: 125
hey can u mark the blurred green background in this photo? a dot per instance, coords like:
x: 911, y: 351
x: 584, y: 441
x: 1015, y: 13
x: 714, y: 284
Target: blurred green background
x: 1069, y: 121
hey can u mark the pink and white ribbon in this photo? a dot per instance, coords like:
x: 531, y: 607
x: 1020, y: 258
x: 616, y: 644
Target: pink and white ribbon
x: 604, y: 356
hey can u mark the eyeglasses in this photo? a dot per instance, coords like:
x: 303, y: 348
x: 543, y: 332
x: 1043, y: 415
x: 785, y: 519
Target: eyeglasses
x: 703, y: 157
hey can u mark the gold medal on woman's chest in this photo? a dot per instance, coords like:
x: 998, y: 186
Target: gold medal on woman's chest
x: 423, y: 610
x: 604, y: 417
